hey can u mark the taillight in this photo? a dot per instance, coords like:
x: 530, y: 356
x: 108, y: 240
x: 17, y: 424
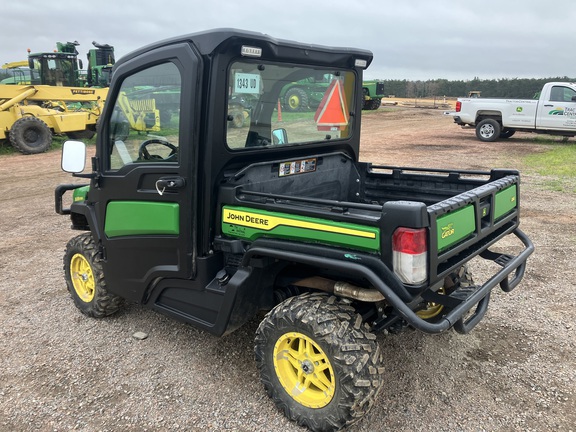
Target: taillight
x: 410, y: 255
x: 458, y: 106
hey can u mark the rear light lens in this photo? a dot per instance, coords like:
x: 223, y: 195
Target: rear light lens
x: 410, y: 255
x: 458, y: 106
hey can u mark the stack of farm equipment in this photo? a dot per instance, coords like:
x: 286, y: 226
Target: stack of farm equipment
x: 54, y: 96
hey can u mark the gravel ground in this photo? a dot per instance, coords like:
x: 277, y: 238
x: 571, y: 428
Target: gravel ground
x: 61, y: 371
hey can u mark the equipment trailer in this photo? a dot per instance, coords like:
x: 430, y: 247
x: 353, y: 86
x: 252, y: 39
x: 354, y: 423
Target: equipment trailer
x: 210, y: 223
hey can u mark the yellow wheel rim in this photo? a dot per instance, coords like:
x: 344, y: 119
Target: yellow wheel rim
x: 82, y: 278
x: 294, y: 101
x: 304, y: 370
x: 432, y: 309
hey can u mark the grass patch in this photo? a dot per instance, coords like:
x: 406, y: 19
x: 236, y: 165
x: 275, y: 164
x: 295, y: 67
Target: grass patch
x: 6, y: 148
x: 555, y: 165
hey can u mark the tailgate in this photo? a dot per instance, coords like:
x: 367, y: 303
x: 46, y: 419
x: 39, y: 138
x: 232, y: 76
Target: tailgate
x: 467, y: 224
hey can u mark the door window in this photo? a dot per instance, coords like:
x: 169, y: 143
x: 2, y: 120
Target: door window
x: 562, y: 94
x: 144, y: 126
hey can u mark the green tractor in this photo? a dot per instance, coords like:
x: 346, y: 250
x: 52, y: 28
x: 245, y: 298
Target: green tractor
x: 58, y: 68
x: 373, y: 92
x: 100, y: 62
x: 63, y: 68
x: 306, y: 94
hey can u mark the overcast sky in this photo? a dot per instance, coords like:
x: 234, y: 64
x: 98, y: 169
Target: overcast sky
x: 412, y: 39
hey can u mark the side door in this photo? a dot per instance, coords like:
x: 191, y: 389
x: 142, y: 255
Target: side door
x: 146, y: 195
x: 558, y: 109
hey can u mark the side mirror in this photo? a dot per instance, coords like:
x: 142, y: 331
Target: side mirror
x: 280, y: 136
x: 73, y: 156
x: 574, y: 98
x: 31, y: 63
x: 80, y: 64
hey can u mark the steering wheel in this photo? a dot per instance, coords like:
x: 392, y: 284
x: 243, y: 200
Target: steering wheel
x: 144, y: 154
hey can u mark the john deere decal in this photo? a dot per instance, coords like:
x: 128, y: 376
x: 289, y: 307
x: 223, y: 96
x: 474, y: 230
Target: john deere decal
x: 251, y: 224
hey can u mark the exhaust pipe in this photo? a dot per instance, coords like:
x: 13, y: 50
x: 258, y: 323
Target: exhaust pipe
x: 343, y: 289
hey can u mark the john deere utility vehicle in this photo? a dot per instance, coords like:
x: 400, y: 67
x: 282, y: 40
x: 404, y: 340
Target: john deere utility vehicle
x: 210, y: 223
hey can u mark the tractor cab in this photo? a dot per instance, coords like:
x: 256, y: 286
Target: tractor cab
x: 63, y: 68
x: 100, y: 61
x: 59, y: 68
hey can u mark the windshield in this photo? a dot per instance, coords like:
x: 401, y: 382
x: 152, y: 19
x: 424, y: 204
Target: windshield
x: 272, y: 105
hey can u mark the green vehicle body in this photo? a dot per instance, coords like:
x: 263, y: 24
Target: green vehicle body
x: 373, y: 92
x: 307, y: 94
x: 210, y: 223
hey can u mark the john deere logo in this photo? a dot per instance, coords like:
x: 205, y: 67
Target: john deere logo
x: 519, y: 109
x: 448, y: 230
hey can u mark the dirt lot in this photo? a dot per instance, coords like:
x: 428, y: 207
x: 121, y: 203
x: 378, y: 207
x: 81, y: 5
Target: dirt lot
x: 61, y: 371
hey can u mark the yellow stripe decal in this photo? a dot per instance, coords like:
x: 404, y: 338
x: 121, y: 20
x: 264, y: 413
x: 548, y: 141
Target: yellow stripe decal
x: 267, y: 223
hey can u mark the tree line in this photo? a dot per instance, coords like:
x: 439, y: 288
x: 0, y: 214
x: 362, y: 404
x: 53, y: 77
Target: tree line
x: 521, y: 88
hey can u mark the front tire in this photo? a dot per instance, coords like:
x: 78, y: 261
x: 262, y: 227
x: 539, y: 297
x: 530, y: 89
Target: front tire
x: 85, y: 278
x: 30, y: 135
x: 318, y: 362
x: 488, y: 130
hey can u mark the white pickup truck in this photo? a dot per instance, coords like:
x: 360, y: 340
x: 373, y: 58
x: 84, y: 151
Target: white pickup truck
x: 553, y: 113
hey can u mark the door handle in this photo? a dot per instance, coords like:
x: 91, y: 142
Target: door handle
x: 169, y: 183
x: 548, y: 105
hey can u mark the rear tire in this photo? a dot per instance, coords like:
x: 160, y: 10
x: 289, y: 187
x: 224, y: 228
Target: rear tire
x: 460, y: 278
x: 85, y: 278
x: 236, y: 118
x: 81, y: 135
x: 318, y: 362
x: 372, y: 104
x: 507, y: 133
x: 30, y: 135
x: 488, y: 130
x: 296, y: 100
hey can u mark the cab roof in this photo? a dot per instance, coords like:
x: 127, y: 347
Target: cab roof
x: 222, y: 40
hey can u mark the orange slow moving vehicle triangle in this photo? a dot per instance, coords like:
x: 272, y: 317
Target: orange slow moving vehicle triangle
x: 333, y: 110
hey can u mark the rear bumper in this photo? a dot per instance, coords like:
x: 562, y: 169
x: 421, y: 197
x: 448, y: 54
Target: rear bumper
x: 512, y: 266
x: 382, y: 279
